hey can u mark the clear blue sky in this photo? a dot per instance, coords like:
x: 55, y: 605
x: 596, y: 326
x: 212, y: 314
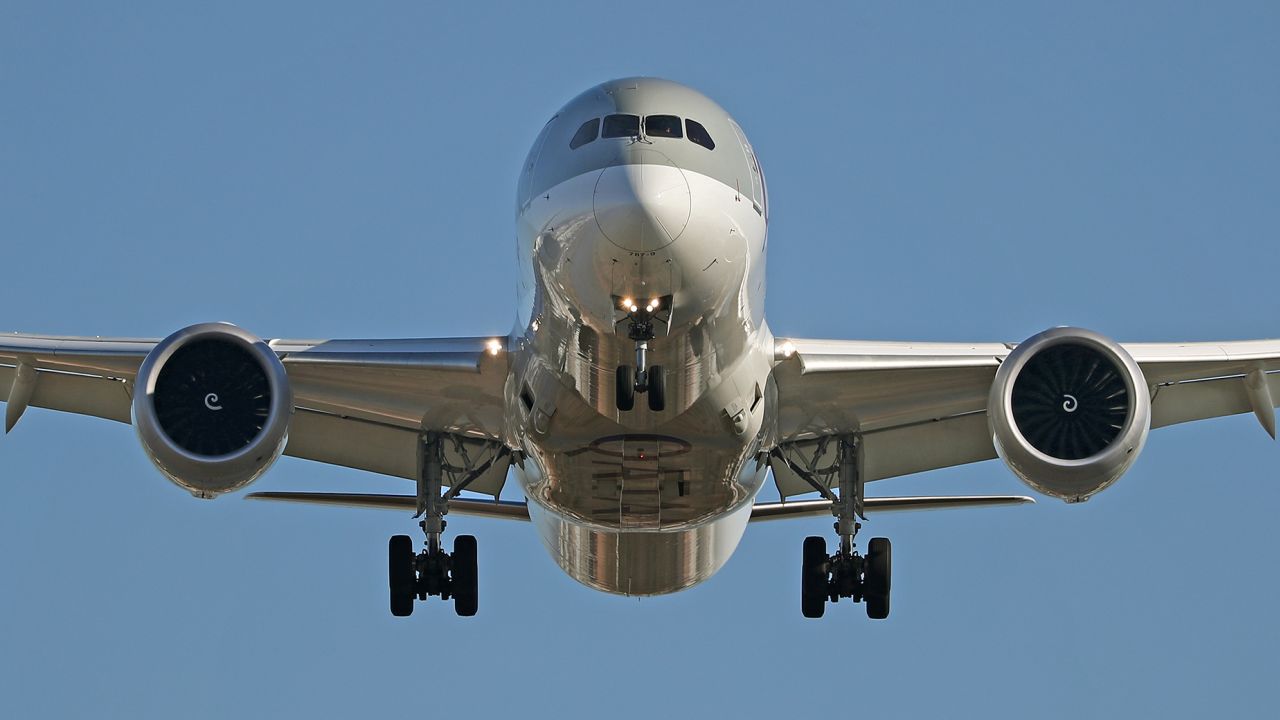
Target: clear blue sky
x: 936, y: 173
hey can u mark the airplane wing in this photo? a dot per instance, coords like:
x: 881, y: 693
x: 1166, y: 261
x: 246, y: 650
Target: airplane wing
x: 507, y: 510
x: 922, y: 406
x: 357, y: 403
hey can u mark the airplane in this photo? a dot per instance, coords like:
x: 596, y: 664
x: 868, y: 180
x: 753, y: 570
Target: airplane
x: 641, y: 400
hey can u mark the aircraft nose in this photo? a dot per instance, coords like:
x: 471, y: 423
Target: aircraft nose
x: 643, y: 205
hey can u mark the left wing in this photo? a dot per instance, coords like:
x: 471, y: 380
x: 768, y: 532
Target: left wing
x: 357, y: 403
x: 922, y: 406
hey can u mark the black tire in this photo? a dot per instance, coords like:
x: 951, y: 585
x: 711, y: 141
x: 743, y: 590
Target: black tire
x: 401, y: 575
x: 625, y: 387
x: 464, y: 576
x: 878, y: 578
x: 814, y: 583
x: 657, y: 388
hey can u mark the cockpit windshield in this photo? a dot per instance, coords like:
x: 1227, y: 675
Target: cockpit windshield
x: 667, y: 126
x: 628, y: 126
x: 617, y: 126
x: 585, y: 134
x: 699, y: 134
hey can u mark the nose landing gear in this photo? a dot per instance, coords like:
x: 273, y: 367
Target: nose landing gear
x: 650, y: 381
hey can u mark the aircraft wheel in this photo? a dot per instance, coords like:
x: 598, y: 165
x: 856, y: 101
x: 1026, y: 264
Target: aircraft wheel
x: 813, y: 577
x: 403, y: 579
x: 625, y: 387
x: 465, y: 576
x: 657, y: 392
x: 878, y: 578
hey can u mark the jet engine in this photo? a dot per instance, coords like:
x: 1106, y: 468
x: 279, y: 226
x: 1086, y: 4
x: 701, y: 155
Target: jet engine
x: 212, y: 405
x: 1069, y: 412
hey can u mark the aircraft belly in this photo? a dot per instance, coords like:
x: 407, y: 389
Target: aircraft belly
x: 639, y: 563
x: 646, y: 510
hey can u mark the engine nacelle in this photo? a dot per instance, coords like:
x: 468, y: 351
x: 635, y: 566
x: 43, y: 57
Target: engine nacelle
x: 212, y: 405
x: 1069, y: 411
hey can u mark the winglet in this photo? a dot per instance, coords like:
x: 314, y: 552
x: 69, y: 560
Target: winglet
x: 24, y: 384
x: 1264, y: 406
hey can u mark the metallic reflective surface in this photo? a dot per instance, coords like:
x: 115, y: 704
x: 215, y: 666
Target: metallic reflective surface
x: 1070, y: 480
x: 201, y: 475
x: 628, y: 562
x: 640, y: 502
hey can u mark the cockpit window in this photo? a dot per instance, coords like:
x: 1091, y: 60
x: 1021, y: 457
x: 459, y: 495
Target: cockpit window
x: 665, y: 126
x: 585, y: 134
x: 616, y: 126
x: 699, y: 134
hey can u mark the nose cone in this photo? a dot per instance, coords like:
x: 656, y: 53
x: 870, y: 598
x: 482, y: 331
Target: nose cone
x: 644, y: 205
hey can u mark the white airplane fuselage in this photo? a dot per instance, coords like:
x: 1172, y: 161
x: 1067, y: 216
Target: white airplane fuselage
x: 635, y: 501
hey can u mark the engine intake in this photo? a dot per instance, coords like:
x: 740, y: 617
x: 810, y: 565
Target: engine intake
x: 211, y: 407
x: 1069, y: 411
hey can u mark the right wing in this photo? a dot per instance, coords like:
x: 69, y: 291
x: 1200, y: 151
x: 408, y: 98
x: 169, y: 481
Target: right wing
x: 922, y: 406
x: 357, y: 403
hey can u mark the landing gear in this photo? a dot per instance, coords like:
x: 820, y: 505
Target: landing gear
x: 417, y: 577
x: 450, y: 576
x: 846, y: 574
x: 865, y: 579
x: 650, y: 381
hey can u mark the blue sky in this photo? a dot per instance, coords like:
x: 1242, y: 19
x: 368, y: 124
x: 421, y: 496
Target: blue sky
x: 936, y: 172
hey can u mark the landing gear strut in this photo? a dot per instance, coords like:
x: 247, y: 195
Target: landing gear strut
x: 432, y: 571
x: 650, y: 381
x: 846, y: 574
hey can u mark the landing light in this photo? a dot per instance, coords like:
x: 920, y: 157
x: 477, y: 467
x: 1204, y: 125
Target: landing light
x: 653, y: 304
x: 494, y: 346
x: 788, y: 349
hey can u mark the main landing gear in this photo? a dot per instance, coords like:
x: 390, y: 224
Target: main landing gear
x: 846, y: 574
x: 417, y: 576
x: 650, y: 381
x: 865, y: 579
